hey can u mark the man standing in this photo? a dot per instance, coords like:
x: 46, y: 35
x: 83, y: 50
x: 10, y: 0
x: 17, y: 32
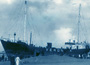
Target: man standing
x: 17, y: 60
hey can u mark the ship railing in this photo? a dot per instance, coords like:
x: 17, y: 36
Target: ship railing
x: 8, y: 39
x: 4, y: 39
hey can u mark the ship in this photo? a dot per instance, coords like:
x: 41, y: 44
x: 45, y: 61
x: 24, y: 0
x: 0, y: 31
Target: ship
x: 16, y: 47
x: 77, y: 49
x: 19, y: 48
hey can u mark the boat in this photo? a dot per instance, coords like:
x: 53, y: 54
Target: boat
x: 77, y: 49
x: 18, y: 48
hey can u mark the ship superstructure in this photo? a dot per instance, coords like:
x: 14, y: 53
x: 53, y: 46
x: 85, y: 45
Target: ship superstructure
x: 77, y: 48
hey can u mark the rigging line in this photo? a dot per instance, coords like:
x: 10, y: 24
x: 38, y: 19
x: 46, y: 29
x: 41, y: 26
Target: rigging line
x: 9, y: 28
x: 21, y: 19
x: 84, y: 29
x: 83, y: 32
x: 20, y: 29
x: 17, y: 12
x: 19, y: 16
x: 11, y: 20
x: 34, y: 26
x: 23, y: 9
x: 34, y: 29
x: 75, y: 30
x: 30, y: 24
x: 39, y: 34
x: 16, y: 19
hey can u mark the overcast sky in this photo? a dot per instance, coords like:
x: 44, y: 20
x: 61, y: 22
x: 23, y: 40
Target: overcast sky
x: 49, y: 20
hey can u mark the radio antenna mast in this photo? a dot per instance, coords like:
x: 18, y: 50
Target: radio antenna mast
x: 79, y: 16
x: 25, y: 20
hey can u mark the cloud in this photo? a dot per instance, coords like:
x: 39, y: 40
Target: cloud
x: 58, y: 1
x: 64, y: 34
x: 84, y: 3
x: 6, y: 1
x: 39, y: 5
x: 49, y: 20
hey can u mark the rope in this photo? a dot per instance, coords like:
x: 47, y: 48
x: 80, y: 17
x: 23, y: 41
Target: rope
x: 10, y: 26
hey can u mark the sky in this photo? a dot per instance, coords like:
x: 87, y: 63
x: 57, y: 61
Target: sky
x: 52, y: 21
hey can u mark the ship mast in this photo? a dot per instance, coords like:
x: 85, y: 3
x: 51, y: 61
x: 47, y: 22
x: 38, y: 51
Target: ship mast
x: 79, y: 23
x: 25, y: 20
x: 31, y: 38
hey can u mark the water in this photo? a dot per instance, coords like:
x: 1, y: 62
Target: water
x: 51, y: 60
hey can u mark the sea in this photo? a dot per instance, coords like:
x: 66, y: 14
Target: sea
x: 51, y: 60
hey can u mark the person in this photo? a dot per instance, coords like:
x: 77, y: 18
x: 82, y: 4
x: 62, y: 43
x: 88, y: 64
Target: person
x: 12, y: 60
x: 17, y: 60
x: 3, y: 57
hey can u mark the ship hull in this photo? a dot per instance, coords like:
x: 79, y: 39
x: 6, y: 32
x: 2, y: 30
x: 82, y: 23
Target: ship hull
x: 17, y: 49
x: 77, y: 52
